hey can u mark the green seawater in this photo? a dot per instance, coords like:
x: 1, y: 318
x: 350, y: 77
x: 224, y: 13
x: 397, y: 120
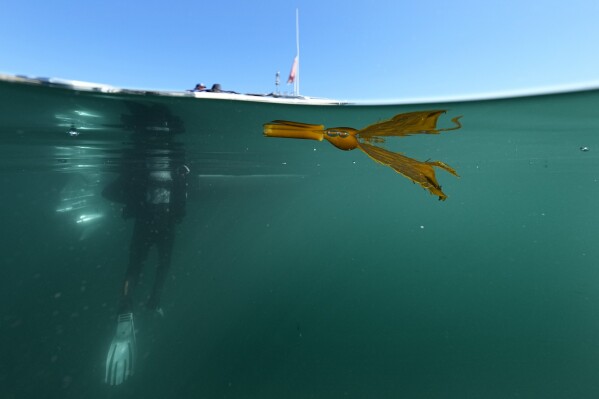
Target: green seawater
x: 299, y: 270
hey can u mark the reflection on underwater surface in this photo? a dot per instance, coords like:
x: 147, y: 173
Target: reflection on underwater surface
x: 300, y: 270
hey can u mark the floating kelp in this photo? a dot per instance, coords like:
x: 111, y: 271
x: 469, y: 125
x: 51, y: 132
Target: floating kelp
x: 347, y: 138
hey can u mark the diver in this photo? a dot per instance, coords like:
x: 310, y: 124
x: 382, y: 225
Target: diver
x: 152, y: 187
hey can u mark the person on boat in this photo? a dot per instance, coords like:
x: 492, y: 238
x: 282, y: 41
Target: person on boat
x: 216, y: 88
x: 199, y: 87
x: 152, y: 187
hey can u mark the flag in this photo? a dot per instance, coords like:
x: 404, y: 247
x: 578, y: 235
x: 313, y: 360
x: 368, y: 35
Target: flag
x: 293, y: 71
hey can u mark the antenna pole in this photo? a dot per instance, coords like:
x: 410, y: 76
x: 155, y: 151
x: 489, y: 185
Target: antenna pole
x: 297, y: 78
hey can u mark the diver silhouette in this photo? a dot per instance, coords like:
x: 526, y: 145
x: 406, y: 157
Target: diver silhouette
x: 152, y: 187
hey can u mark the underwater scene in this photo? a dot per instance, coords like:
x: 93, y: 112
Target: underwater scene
x: 160, y: 246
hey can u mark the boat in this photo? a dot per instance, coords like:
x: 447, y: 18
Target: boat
x: 222, y: 95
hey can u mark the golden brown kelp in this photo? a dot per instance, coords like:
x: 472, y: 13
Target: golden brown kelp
x: 295, y: 130
x: 347, y: 138
x: 419, y: 172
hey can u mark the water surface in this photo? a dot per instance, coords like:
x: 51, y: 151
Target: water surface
x: 299, y: 270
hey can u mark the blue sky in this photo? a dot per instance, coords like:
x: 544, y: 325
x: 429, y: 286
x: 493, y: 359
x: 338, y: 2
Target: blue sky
x: 349, y: 49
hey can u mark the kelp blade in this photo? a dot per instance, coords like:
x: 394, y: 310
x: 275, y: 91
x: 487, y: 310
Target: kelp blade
x: 421, y: 122
x: 419, y: 172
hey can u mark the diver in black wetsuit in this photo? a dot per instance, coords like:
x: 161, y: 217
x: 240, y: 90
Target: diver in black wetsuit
x: 152, y: 186
x: 157, y: 203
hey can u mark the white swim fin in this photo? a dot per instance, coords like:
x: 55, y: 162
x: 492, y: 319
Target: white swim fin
x: 120, y: 359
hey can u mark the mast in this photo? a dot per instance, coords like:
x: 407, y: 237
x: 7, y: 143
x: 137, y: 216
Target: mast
x: 296, y: 83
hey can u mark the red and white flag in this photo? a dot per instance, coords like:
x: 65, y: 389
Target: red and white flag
x: 293, y: 71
